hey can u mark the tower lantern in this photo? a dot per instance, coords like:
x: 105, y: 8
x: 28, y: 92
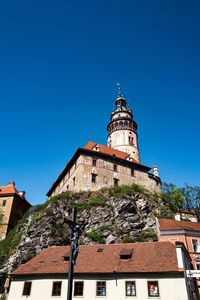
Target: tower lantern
x: 122, y: 129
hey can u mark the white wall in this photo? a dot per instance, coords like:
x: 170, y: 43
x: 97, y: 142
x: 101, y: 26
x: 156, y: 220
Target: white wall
x: 170, y: 289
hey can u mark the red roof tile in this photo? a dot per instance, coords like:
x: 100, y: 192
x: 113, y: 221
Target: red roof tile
x: 8, y: 189
x: 146, y: 257
x: 172, y: 224
x: 107, y: 150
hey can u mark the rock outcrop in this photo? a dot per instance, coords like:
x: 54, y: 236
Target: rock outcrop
x: 125, y: 214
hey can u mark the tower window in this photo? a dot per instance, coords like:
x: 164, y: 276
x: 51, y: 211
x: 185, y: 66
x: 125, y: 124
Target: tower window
x: 74, y: 181
x: 94, y: 162
x: 68, y: 187
x: 116, y: 182
x: 93, y: 178
x: 115, y: 168
x: 130, y: 139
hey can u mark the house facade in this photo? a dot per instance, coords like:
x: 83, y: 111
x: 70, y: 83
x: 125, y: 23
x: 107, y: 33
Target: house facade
x: 13, y: 205
x: 96, y: 166
x: 187, y: 232
x: 119, y: 271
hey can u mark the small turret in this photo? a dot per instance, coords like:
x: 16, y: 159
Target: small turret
x: 155, y: 171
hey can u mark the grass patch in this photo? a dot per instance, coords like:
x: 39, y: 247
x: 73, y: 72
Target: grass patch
x: 97, y: 201
x: 127, y: 190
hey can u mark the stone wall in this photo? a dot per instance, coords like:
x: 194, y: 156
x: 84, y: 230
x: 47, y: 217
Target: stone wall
x: 6, y: 215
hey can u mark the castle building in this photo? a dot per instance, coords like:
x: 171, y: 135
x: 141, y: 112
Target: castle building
x: 96, y: 166
x: 13, y: 205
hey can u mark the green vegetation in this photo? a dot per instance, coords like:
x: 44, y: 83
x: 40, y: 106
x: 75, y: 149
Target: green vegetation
x: 128, y: 239
x: 97, y: 201
x: 127, y: 190
x: 9, y: 245
x: 3, y: 297
x: 96, y: 236
x: 187, y: 197
x: 144, y: 236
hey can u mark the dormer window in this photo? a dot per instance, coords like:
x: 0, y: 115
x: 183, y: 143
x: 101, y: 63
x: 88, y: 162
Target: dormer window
x: 66, y: 257
x: 96, y: 148
x: 125, y: 253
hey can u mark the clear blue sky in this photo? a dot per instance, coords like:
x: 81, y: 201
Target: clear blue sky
x: 59, y: 65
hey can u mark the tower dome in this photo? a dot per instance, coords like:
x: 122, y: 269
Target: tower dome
x: 122, y: 129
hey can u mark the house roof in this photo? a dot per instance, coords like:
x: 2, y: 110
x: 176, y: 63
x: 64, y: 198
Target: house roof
x: 9, y: 190
x: 172, y: 224
x: 146, y: 258
x: 108, y: 150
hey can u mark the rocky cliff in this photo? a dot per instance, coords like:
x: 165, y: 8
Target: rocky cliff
x: 121, y: 214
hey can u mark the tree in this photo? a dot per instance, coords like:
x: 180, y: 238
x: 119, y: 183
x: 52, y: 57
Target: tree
x: 192, y: 199
x: 173, y: 196
x: 187, y: 197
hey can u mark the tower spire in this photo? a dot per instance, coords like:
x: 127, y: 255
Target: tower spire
x: 119, y: 90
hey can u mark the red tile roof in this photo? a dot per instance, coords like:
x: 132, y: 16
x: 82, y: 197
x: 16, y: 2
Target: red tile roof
x: 8, y: 189
x: 107, y: 150
x: 146, y: 257
x: 172, y: 224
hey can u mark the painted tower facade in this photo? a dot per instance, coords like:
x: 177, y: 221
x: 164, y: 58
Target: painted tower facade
x: 122, y: 129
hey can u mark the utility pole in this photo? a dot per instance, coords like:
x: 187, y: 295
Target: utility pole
x: 75, y: 233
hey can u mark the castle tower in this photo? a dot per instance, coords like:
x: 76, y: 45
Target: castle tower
x: 122, y: 129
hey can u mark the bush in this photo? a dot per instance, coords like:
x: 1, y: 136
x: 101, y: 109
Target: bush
x: 127, y: 190
x: 97, y: 201
x: 128, y: 239
x: 146, y: 236
x: 96, y: 236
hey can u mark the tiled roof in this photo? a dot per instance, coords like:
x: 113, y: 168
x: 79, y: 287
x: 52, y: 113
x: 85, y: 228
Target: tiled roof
x: 172, y: 224
x: 108, y: 150
x: 8, y: 189
x: 146, y: 257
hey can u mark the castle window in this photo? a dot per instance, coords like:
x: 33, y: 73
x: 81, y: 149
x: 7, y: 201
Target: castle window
x: 27, y: 288
x: 130, y: 288
x: 68, y: 187
x: 93, y: 178
x: 56, y: 290
x: 116, y: 181
x: 78, y: 288
x: 94, y: 162
x: 4, y: 203
x: 132, y: 172
x: 115, y: 168
x: 153, y: 290
x: 74, y: 181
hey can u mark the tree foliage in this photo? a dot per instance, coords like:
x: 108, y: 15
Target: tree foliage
x: 186, y: 197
